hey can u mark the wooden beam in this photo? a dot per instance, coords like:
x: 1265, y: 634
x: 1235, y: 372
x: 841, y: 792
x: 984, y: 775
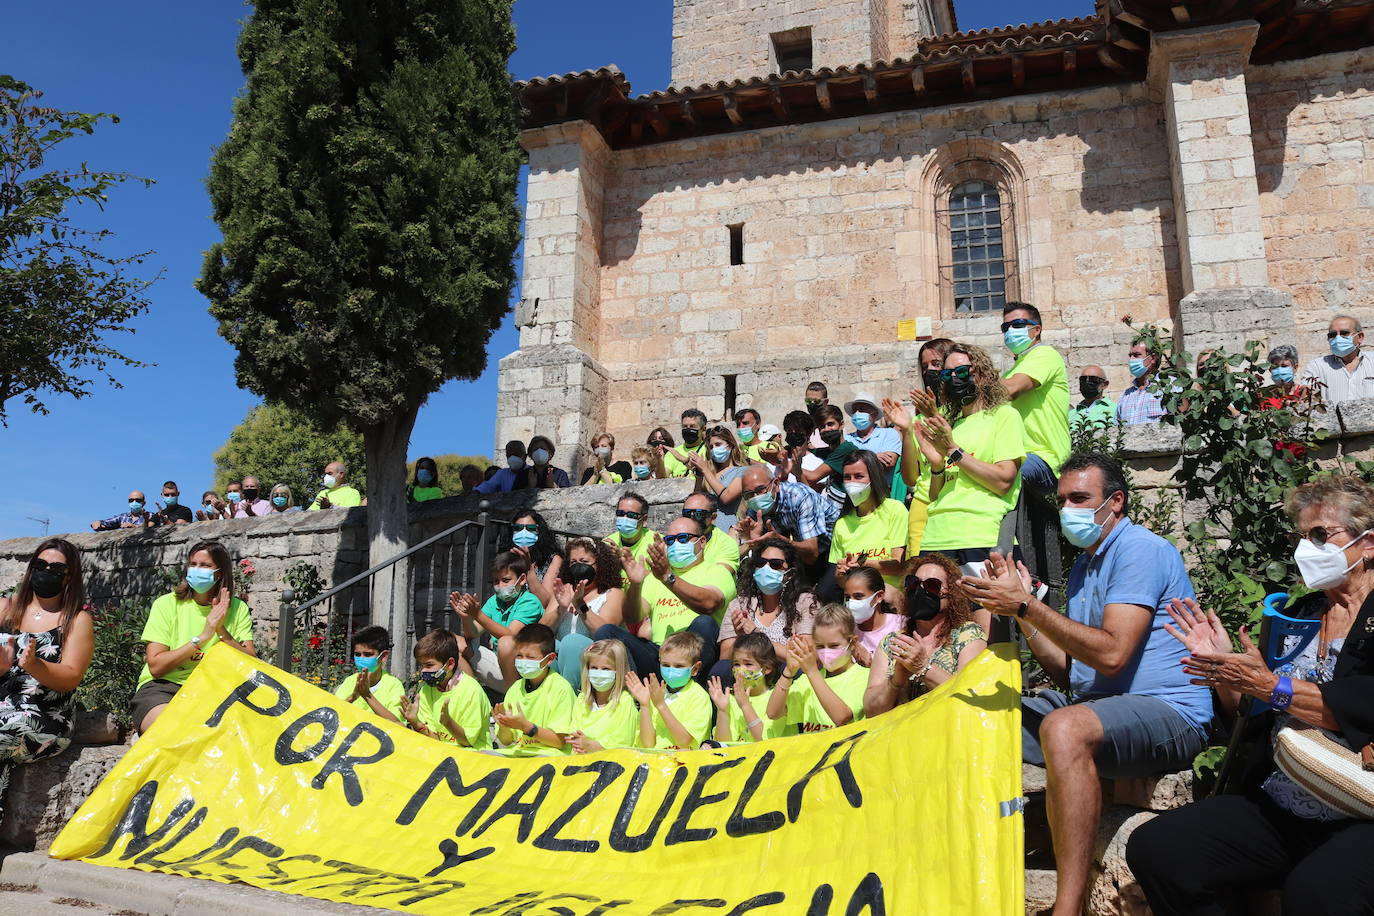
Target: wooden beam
x: 560, y: 101
x: 823, y: 94
x: 636, y: 131
x: 1018, y: 71
x: 918, y: 79
x: 1070, y: 62
x: 732, y: 110
x: 871, y: 89
x: 1121, y: 41
x: 779, y: 105
x: 594, y: 104
x: 658, y: 122
x: 1108, y: 60
x: 690, y: 113
x: 1180, y: 12
x: 966, y: 72
x: 1132, y: 18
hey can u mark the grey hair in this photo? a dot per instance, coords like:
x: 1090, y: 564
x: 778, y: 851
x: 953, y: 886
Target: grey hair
x: 1345, y: 494
x: 1282, y: 352
x: 1353, y: 320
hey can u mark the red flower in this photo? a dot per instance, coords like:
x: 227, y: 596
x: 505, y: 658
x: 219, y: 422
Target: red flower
x: 315, y: 642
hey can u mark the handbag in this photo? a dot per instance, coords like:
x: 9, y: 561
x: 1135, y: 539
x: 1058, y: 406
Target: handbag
x: 1327, y: 768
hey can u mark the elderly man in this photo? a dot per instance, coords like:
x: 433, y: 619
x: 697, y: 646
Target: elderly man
x: 1142, y: 401
x: 1038, y: 386
x: 136, y: 517
x: 1130, y: 711
x: 674, y: 588
x: 253, y: 504
x: 1347, y: 372
x: 782, y: 508
x: 337, y: 494
x: 1096, y: 410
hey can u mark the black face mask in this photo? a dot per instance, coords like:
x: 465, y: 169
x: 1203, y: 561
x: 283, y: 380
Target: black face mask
x: 960, y: 391
x: 46, y: 583
x: 932, y: 379
x: 1091, y: 387
x: 581, y: 572
x: 690, y: 435
x: 922, y: 605
x: 832, y: 437
x: 795, y: 439
x: 251, y: 495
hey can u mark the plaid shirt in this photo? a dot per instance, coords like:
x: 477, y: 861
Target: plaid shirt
x: 802, y: 513
x: 1140, y: 404
x: 117, y: 521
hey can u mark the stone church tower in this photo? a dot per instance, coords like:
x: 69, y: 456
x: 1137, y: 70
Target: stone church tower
x: 827, y: 182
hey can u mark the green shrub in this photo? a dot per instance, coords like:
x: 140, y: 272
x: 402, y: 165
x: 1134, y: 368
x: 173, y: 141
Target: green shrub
x: 118, y: 658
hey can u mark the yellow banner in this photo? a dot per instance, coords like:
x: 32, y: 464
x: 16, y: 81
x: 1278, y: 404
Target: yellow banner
x: 253, y: 775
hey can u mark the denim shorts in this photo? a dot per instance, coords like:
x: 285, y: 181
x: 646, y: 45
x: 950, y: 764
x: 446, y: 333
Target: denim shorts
x: 1142, y: 735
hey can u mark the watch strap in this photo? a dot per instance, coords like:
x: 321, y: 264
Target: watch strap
x: 1021, y: 611
x: 1282, y: 695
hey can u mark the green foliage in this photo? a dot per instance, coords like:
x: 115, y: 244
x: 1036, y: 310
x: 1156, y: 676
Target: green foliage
x: 118, y: 659
x: 279, y: 445
x: 320, y: 651
x: 61, y: 295
x: 305, y: 582
x: 1205, y: 769
x: 449, y: 466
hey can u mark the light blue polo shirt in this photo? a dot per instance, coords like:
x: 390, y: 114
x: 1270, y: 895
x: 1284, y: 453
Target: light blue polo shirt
x: 1136, y: 566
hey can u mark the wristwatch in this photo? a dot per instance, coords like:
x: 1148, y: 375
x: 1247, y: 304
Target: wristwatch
x: 955, y: 457
x: 672, y: 577
x: 1021, y: 611
x: 532, y: 730
x: 195, y: 641
x: 1282, y: 696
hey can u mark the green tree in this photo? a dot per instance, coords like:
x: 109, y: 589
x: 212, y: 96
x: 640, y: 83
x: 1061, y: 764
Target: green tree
x: 61, y: 295
x: 366, y: 194
x: 277, y: 444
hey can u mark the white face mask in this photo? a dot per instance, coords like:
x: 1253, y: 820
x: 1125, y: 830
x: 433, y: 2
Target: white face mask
x: 857, y: 490
x: 1324, y: 565
x: 861, y: 608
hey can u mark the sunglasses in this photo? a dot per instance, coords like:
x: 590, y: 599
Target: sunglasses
x: 813, y: 402
x: 1019, y: 323
x: 757, y: 491
x: 531, y: 528
x: 1094, y: 379
x: 960, y: 372
x: 44, y: 566
x: 931, y: 586
x: 697, y: 515
x: 1320, y: 534
x: 628, y: 513
x: 685, y: 537
x: 777, y: 563
x: 1332, y: 335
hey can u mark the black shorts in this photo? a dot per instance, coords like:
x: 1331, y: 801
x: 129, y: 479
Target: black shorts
x: 151, y: 695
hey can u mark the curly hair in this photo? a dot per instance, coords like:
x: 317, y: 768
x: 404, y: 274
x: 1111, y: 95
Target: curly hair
x: 960, y: 609
x: 544, y: 549
x: 747, y: 590
x: 991, y: 394
x: 1347, y: 495
x: 607, y: 563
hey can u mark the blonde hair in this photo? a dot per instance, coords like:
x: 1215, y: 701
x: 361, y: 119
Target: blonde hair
x: 615, y: 649
x: 991, y: 394
x: 835, y: 615
x: 685, y: 640
x: 1349, y: 496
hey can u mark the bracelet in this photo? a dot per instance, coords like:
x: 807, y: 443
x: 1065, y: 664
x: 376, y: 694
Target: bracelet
x: 939, y: 473
x: 532, y: 730
x: 1030, y: 635
x: 791, y: 675
x: 752, y: 724
x: 926, y: 669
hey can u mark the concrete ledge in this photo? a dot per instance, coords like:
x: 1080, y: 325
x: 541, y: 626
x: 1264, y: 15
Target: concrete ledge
x: 158, y: 894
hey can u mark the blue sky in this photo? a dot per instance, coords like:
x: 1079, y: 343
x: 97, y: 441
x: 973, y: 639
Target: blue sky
x: 168, y: 69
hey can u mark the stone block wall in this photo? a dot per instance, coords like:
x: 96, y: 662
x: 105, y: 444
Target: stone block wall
x: 1313, y: 123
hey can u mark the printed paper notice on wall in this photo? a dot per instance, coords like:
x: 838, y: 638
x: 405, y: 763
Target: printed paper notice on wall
x: 906, y: 329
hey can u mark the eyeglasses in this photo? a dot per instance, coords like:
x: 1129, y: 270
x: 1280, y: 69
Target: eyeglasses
x: 1019, y: 323
x: 45, y: 566
x: 628, y: 513
x: 931, y: 586
x: 1332, y: 335
x: 685, y: 537
x: 960, y: 372
x: 778, y: 563
x: 531, y: 528
x: 1320, y: 534
x: 757, y: 491
x: 697, y: 515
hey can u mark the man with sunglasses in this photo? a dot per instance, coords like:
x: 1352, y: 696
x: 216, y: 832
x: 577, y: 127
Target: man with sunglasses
x: 137, y: 516
x: 1347, y: 372
x: 1129, y: 710
x: 1038, y: 386
x: 781, y: 508
x: 674, y: 588
x: 632, y: 527
x: 1096, y: 410
x: 720, y: 547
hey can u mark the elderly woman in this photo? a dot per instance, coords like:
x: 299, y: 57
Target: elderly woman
x: 1268, y: 830
x: 46, y: 642
x: 939, y: 638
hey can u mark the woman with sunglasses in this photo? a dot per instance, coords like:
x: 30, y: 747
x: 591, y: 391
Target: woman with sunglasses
x: 769, y: 599
x: 721, y: 467
x: 915, y: 469
x: 531, y: 538
x: 46, y: 641
x: 975, y: 448
x: 937, y: 641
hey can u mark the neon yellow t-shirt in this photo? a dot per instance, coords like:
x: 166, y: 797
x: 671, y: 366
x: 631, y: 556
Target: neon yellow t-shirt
x: 921, y: 490
x: 879, y: 534
x: 667, y: 613
x: 751, y: 451
x: 421, y: 494
x: 172, y: 623
x: 639, y: 549
x: 693, y: 708
x: 966, y: 513
x: 341, y: 497
x: 550, y: 705
x: 1044, y: 409
x: 615, y: 478
x: 388, y: 691
x: 674, y: 468
x: 721, y: 548
x: 804, y: 708
x: 772, y: 728
x: 467, y: 706
x: 613, y: 725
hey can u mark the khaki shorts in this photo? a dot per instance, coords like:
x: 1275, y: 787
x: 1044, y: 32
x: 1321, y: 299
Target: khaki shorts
x: 150, y: 696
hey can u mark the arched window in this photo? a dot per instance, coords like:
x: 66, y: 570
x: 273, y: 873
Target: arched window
x: 978, y: 269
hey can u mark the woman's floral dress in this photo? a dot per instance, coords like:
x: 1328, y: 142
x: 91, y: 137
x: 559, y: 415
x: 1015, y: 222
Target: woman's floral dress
x: 35, y: 721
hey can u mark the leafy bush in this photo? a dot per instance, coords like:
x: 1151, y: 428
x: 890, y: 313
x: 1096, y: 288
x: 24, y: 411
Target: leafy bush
x: 118, y: 658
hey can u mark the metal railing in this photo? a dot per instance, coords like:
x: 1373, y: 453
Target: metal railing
x: 315, y: 638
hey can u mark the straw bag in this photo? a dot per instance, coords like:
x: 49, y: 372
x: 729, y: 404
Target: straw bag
x: 1322, y: 764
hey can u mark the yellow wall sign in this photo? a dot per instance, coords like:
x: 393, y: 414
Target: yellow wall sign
x: 253, y: 775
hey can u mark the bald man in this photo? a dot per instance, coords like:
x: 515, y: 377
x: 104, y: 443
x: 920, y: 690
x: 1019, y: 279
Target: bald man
x: 780, y: 508
x: 1096, y: 410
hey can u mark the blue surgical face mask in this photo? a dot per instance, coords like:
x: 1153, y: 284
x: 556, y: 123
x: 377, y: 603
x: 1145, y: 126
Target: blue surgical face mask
x: 170, y: 500
x: 279, y: 501
x: 681, y: 555
x: 862, y: 422
x: 768, y: 579
x: 1137, y: 367
x: 515, y: 462
x: 1281, y: 375
x: 210, y: 507
x: 200, y: 579
x: 424, y: 476
x: 720, y: 454
x: 541, y: 456
x: 1080, y: 526
x: 367, y: 663
x: 746, y: 434
x: 763, y: 503
x: 1342, y: 346
x: 626, y: 526
x: 601, y: 678
x: 235, y: 496
x: 529, y: 668
x: 135, y: 506
x: 675, y: 678
x: 642, y: 472
x: 1016, y: 339
x: 524, y: 538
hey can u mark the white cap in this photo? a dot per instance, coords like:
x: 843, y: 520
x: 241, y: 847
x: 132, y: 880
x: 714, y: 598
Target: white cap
x: 863, y: 397
x: 768, y: 431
